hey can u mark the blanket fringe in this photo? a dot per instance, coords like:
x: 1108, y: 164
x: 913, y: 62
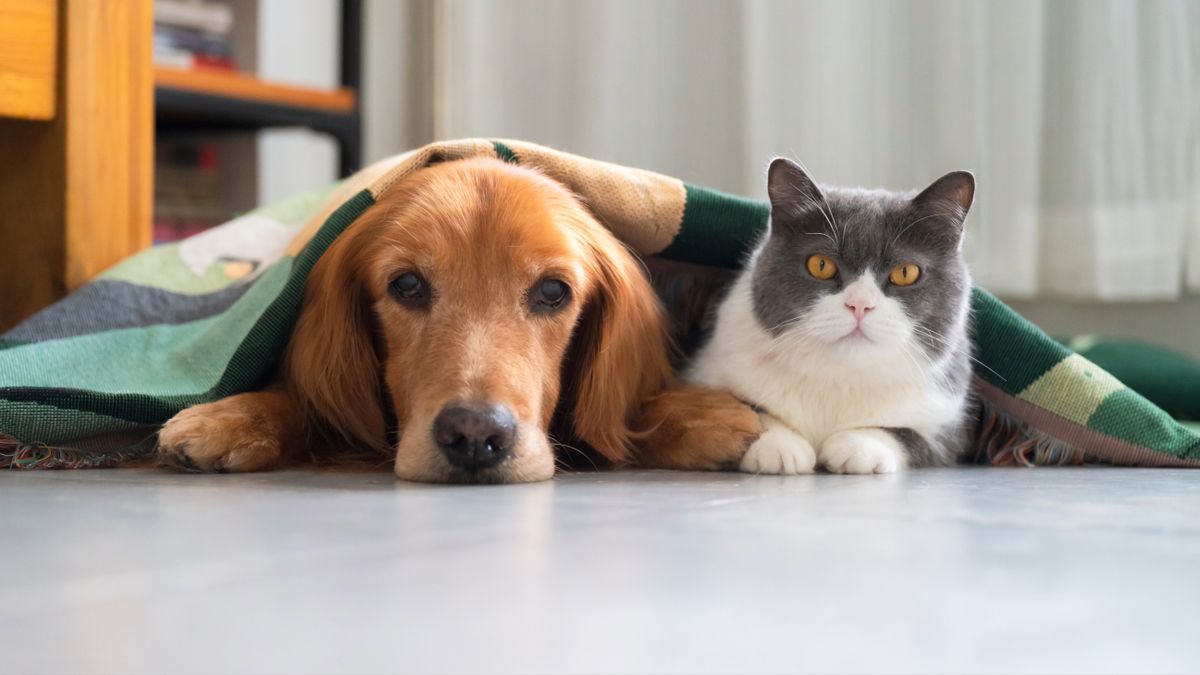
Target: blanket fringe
x: 1003, y: 440
x: 16, y: 455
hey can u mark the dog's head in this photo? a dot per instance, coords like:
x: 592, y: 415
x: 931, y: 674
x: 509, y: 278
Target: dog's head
x: 464, y: 305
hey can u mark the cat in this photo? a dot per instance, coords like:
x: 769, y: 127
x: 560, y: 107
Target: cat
x: 847, y: 330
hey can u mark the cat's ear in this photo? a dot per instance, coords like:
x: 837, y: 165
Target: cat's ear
x: 956, y: 188
x: 791, y: 190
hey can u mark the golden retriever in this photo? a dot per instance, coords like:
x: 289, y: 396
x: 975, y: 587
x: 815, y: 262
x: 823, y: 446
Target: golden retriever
x: 473, y: 319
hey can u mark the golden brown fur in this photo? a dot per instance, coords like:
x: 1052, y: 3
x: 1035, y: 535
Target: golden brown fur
x: 483, y: 234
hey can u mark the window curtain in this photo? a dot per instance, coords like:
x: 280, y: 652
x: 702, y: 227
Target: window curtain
x: 1080, y: 118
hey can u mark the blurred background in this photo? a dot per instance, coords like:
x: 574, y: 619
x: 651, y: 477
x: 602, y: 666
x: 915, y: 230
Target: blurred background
x: 1080, y: 119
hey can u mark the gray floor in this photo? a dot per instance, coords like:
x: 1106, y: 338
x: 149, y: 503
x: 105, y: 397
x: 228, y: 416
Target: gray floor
x: 954, y: 570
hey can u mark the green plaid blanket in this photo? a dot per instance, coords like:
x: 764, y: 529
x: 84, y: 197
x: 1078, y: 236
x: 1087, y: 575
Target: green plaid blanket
x: 88, y: 381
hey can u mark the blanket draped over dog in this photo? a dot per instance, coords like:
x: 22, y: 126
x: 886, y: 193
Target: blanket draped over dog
x: 88, y: 381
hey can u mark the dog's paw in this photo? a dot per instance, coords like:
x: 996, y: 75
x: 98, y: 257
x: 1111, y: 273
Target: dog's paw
x: 862, y: 451
x: 696, y: 429
x: 779, y: 451
x: 218, y: 437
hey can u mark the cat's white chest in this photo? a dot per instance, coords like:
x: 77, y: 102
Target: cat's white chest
x: 812, y: 393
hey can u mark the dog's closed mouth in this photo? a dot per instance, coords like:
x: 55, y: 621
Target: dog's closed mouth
x: 492, y: 476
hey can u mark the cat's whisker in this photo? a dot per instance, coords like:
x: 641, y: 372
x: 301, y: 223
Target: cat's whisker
x: 934, y: 335
x: 838, y: 227
x: 787, y: 325
x: 783, y: 343
x: 987, y: 367
x: 937, y: 368
x: 934, y: 365
x: 907, y: 351
x: 937, y: 339
x: 827, y: 236
x: 823, y: 207
x: 826, y: 211
x: 812, y: 202
x: 833, y: 224
x: 906, y: 227
x: 782, y: 340
x: 793, y: 339
x: 931, y: 333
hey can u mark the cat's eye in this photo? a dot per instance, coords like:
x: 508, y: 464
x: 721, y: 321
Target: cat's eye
x: 410, y: 288
x: 821, y: 267
x: 905, y: 275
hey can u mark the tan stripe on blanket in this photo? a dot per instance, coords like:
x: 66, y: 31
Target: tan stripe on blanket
x: 381, y: 175
x: 1095, y: 445
x: 644, y: 209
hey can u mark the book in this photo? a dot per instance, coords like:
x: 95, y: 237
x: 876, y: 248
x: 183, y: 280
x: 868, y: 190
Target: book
x: 193, y: 34
x: 200, y: 15
x: 179, y: 58
x: 192, y: 40
x: 188, y: 196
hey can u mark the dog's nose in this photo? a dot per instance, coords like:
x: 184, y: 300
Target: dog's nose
x: 475, y: 437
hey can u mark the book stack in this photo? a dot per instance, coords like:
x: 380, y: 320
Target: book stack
x: 188, y: 195
x: 193, y: 34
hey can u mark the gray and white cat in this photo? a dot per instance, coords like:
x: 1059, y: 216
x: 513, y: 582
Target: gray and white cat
x: 848, y: 328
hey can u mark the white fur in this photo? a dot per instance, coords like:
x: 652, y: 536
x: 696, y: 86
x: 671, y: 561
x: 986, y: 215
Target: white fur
x: 831, y: 392
x: 779, y: 450
x: 862, y: 451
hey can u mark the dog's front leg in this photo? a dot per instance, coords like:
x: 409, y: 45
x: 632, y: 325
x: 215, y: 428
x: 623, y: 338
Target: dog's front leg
x: 246, y: 432
x: 695, y: 428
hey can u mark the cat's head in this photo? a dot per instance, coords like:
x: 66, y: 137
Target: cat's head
x: 864, y: 273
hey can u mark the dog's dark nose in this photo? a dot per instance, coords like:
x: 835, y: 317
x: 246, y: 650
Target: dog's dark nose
x: 475, y: 437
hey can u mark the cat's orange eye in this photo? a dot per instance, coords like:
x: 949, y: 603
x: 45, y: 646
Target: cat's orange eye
x: 821, y: 266
x: 905, y: 275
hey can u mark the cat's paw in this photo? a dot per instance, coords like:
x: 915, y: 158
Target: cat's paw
x: 779, y: 451
x: 862, y: 451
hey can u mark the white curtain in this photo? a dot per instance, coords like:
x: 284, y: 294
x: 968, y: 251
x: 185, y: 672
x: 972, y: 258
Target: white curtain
x: 1080, y: 118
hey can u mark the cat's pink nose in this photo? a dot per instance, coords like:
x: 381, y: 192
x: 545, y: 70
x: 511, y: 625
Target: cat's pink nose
x: 859, y: 308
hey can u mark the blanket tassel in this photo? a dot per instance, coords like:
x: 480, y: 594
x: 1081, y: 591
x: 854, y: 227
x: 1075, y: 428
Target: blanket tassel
x: 16, y: 455
x: 1005, y: 441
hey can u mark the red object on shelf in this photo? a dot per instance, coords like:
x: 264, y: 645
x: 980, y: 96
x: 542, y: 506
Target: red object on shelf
x: 188, y: 196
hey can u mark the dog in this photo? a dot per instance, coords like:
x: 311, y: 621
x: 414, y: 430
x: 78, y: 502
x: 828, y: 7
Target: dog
x: 472, y: 321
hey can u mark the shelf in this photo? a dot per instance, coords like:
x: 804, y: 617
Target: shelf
x: 206, y: 100
x: 239, y: 86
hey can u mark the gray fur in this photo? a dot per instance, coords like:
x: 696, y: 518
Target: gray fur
x: 876, y: 230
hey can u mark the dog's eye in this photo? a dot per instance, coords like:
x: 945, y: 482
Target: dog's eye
x: 410, y: 288
x: 550, y: 294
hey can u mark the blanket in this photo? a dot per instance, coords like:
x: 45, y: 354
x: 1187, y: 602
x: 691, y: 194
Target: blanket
x: 88, y: 381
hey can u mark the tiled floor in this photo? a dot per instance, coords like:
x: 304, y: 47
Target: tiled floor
x: 953, y: 570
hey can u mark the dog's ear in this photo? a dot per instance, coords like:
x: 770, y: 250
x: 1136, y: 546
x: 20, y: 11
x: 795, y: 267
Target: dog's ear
x: 331, y: 365
x: 619, y: 355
